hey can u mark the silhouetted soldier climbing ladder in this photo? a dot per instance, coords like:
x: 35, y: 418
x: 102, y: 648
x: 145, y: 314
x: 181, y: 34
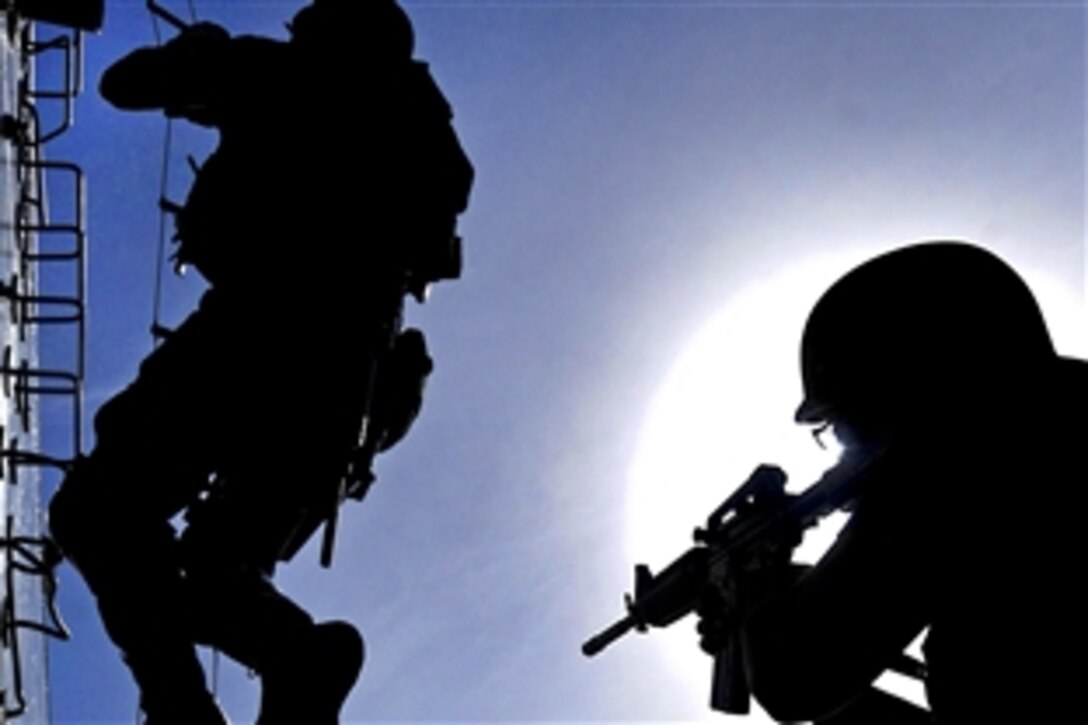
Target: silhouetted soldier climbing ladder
x: 288, y: 242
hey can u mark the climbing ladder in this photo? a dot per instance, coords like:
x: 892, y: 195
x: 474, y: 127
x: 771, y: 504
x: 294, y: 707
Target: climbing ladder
x: 42, y: 329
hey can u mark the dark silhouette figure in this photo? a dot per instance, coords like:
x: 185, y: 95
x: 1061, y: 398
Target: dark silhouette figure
x: 935, y: 362
x: 334, y: 191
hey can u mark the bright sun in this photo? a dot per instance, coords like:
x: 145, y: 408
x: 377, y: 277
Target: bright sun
x: 727, y: 406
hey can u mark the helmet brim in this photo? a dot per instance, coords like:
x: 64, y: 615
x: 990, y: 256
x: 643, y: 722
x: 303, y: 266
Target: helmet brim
x: 811, y: 411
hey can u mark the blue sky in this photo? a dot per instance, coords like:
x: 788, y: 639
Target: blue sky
x: 648, y: 174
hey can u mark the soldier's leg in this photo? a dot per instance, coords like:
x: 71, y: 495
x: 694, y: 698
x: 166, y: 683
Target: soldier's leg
x: 111, y: 517
x: 128, y: 559
x: 307, y: 669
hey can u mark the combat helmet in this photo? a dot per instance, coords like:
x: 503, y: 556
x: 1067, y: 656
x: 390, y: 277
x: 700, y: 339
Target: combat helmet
x: 368, y: 29
x: 924, y: 326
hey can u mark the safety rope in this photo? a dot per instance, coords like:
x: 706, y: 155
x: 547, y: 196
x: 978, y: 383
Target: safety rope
x: 157, y: 327
x: 158, y: 330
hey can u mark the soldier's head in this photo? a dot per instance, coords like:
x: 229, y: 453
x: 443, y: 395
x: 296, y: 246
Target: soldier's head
x: 926, y: 334
x: 368, y: 30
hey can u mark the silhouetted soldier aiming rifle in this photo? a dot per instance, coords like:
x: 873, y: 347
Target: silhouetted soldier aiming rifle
x: 934, y: 362
x: 311, y: 224
x: 754, y: 531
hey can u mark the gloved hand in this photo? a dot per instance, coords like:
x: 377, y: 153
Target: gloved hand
x: 199, y: 47
x: 721, y: 615
x: 718, y: 621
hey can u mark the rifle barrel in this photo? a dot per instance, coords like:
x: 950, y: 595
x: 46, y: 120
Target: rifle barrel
x: 598, y: 642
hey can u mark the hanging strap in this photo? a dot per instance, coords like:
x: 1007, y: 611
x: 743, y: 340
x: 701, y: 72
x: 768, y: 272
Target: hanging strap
x: 159, y: 332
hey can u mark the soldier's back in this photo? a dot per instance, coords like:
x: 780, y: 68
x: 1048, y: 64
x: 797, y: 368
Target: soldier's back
x: 1010, y: 609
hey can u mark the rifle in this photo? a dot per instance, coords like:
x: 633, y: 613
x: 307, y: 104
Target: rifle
x: 431, y: 263
x: 756, y: 528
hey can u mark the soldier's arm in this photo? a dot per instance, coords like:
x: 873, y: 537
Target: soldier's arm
x: 185, y: 73
x: 822, y: 642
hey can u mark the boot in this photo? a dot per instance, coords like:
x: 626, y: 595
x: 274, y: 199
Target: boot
x: 312, y: 677
x: 307, y: 670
